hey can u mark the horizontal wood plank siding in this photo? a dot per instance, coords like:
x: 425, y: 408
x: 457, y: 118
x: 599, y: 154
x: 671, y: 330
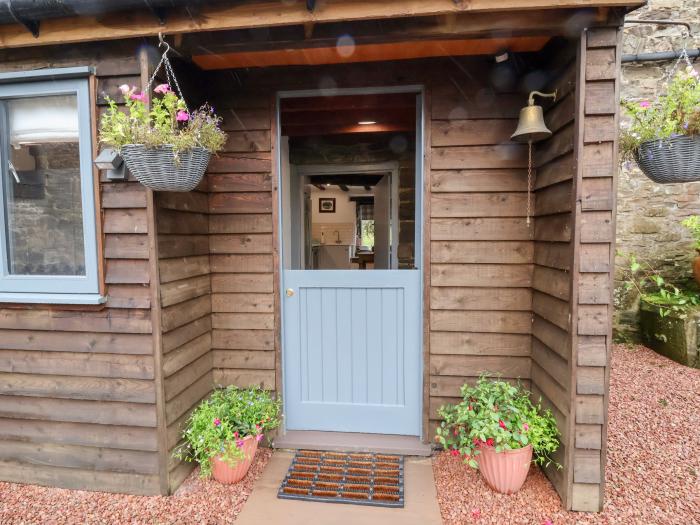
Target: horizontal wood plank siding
x: 553, y: 263
x: 600, y: 53
x: 77, y: 384
x: 241, y: 247
x: 481, y: 250
x: 182, y: 219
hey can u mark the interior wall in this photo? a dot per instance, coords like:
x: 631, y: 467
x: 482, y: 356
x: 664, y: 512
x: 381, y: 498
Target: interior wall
x: 78, y: 384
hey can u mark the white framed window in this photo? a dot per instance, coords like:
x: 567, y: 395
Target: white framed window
x: 48, y: 237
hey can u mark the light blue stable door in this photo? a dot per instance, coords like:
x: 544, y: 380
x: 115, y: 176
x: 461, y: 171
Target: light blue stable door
x: 352, y: 351
x: 352, y: 337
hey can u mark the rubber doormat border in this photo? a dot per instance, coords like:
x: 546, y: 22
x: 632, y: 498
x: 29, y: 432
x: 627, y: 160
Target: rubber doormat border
x: 355, y: 478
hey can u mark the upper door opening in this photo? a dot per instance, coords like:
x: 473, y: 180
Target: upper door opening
x: 348, y: 164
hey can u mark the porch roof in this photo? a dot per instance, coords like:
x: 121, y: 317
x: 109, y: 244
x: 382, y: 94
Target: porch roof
x: 218, y: 15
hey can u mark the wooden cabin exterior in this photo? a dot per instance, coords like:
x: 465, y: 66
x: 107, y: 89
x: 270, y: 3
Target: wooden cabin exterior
x: 94, y: 396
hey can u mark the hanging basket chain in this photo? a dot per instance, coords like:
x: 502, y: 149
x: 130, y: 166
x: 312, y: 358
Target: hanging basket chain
x: 169, y: 73
x: 682, y: 57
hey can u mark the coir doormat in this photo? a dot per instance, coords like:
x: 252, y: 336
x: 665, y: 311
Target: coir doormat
x: 345, y: 477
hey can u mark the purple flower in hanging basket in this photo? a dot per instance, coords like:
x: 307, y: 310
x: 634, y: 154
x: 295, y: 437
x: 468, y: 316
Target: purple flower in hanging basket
x: 644, y: 104
x: 182, y: 116
x: 162, y: 89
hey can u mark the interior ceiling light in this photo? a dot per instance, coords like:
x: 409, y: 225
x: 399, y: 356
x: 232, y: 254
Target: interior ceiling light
x: 501, y: 57
x: 367, y: 122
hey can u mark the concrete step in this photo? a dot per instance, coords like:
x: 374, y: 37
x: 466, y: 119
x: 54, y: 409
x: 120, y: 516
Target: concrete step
x: 352, y: 442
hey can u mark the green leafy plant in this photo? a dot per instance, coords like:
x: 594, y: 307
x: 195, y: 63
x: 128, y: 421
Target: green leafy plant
x: 494, y: 413
x: 219, y: 424
x: 692, y: 224
x: 673, y: 114
x: 167, y: 122
x: 654, y: 289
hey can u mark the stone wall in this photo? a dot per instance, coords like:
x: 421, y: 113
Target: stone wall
x: 649, y: 214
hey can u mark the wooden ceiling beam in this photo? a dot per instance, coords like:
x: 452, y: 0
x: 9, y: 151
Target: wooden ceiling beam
x: 315, y: 56
x: 472, y: 25
x: 269, y: 13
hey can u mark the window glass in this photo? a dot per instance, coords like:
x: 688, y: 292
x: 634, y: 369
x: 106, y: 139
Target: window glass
x: 42, y: 187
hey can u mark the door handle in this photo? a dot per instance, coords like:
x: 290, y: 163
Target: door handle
x: 290, y: 292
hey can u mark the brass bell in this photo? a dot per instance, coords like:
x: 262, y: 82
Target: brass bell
x: 531, y: 126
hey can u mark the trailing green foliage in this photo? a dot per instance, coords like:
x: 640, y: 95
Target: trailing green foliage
x: 673, y: 114
x: 495, y: 413
x: 654, y: 289
x: 166, y: 123
x: 218, y: 425
x: 692, y: 224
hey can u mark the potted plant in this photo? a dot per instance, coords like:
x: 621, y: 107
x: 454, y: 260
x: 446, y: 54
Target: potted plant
x: 664, y: 135
x: 223, y: 432
x: 668, y: 313
x: 692, y: 223
x: 166, y: 147
x: 497, y: 429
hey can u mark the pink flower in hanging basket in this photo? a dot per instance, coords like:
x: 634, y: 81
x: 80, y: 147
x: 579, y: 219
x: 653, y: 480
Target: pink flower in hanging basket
x: 644, y: 104
x: 142, y: 97
x: 124, y: 88
x: 182, y: 116
x: 162, y: 89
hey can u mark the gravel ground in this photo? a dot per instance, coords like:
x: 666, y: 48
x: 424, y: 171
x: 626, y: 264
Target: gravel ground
x: 653, y: 466
x: 197, y: 501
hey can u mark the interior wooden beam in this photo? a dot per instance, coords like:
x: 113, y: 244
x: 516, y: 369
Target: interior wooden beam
x: 349, y: 103
x: 369, y: 52
x: 321, y: 130
x: 251, y: 14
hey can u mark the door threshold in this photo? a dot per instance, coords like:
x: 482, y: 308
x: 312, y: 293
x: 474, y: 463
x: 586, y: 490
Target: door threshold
x: 352, y: 442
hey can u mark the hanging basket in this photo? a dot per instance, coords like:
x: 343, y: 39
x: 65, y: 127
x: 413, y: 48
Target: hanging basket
x: 673, y: 160
x: 158, y: 168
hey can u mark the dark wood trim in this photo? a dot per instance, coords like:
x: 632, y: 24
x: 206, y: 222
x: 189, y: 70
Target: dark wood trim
x: 146, y: 67
x: 276, y: 274
x: 426, y: 222
x: 575, y: 264
x: 246, y: 15
x: 93, y: 95
x: 611, y: 279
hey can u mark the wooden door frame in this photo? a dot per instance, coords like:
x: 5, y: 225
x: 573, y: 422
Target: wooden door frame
x: 421, y: 261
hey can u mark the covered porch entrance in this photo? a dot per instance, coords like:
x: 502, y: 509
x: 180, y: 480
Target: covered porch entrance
x: 351, y: 280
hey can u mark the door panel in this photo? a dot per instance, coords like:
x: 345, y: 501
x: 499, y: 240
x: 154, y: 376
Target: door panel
x: 352, y: 351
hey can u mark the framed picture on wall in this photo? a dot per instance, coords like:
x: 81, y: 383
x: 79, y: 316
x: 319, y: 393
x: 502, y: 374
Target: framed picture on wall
x: 326, y: 205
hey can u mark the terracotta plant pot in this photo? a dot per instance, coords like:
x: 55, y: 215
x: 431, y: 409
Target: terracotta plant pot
x: 224, y: 473
x: 696, y: 267
x: 505, y: 472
